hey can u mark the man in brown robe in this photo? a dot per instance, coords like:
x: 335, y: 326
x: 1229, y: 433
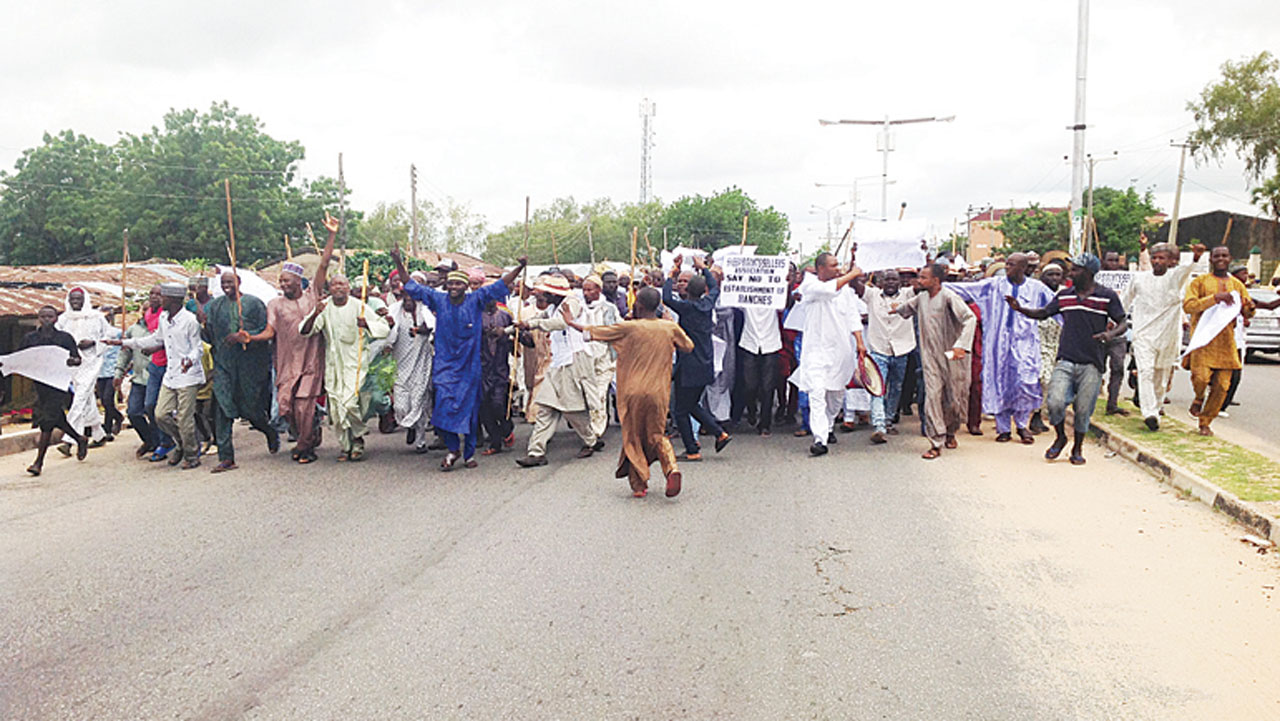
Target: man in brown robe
x: 946, y: 334
x: 645, y: 348
x: 299, y: 359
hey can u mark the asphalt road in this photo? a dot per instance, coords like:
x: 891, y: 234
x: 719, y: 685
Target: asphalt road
x: 865, y: 584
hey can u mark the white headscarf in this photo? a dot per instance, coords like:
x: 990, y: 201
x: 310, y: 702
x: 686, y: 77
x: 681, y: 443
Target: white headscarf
x: 84, y: 324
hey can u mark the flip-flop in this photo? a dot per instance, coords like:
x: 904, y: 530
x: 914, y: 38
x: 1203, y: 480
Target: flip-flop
x: 931, y: 454
x: 224, y: 466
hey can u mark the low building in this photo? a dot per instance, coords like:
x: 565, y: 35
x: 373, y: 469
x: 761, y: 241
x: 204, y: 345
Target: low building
x: 985, y: 237
x: 1242, y: 233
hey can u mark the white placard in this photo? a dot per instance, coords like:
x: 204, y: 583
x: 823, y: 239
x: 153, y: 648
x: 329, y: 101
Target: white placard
x: 754, y: 281
x: 889, y: 245
x: 1212, y: 322
x: 688, y: 254
x: 45, y: 364
x: 1117, y: 280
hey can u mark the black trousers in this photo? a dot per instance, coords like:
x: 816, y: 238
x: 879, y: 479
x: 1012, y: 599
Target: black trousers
x: 759, y: 373
x: 689, y: 404
x: 112, y: 419
x: 494, y: 422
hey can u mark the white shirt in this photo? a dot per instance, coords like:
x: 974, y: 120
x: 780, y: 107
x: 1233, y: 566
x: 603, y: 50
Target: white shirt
x: 180, y: 336
x: 760, y: 331
x: 831, y: 317
x: 887, y: 332
x: 1154, y: 303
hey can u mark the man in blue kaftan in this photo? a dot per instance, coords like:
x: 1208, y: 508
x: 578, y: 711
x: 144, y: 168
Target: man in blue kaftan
x: 456, y: 366
x: 1010, y: 346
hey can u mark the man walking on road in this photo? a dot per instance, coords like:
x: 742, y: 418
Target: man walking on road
x: 1212, y: 363
x: 1154, y: 301
x: 1087, y: 309
x: 241, y: 368
x: 946, y: 334
x: 645, y: 347
x: 1011, y: 347
x: 695, y: 370
x: 890, y: 339
x: 178, y: 332
x: 832, y: 327
x: 1117, y: 348
x: 299, y: 359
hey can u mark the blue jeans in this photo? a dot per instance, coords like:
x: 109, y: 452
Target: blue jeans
x: 893, y: 368
x: 155, y: 376
x: 138, y: 418
x: 1076, y: 383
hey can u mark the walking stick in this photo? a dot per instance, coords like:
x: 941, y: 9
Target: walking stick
x: 515, y: 346
x: 288, y: 249
x: 364, y: 296
x: 124, y: 273
x: 231, y: 252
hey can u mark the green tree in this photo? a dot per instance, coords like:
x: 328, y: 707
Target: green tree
x: 716, y: 221
x: 58, y: 205
x: 1121, y: 216
x: 1241, y: 111
x: 1035, y: 229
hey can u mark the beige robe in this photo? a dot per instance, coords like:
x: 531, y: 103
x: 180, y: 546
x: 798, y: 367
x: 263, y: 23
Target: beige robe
x: 945, y: 323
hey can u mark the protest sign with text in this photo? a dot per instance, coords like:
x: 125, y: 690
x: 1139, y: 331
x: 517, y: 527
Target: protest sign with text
x: 754, y: 281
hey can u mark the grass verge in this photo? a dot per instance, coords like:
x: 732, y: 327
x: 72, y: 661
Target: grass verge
x: 1250, y: 476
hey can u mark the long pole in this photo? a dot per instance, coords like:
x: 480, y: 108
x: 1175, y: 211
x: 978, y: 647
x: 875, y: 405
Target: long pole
x: 364, y: 297
x: 413, y: 210
x: 884, y: 176
x: 288, y: 249
x: 1177, y: 194
x: 1078, y: 127
x: 124, y: 273
x: 744, y: 230
x: 1089, y: 212
x: 231, y: 251
x: 342, y: 212
x: 631, y: 289
x: 591, y: 244
x: 515, y: 346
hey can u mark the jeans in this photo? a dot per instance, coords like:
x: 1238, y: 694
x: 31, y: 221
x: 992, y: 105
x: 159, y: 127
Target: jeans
x: 1078, y: 381
x: 893, y: 368
x: 136, y: 409
x: 155, y: 376
x: 689, y: 403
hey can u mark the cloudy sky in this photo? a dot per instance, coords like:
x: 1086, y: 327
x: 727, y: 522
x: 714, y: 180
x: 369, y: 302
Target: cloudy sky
x: 495, y: 100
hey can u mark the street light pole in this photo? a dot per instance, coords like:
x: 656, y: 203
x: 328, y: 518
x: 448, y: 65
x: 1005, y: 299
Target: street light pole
x: 1078, y: 128
x: 886, y: 147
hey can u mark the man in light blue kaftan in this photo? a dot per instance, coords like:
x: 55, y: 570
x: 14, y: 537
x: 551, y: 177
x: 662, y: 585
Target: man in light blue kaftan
x: 1010, y: 346
x: 456, y: 365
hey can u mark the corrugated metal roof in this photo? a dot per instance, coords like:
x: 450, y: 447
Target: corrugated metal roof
x: 25, y: 288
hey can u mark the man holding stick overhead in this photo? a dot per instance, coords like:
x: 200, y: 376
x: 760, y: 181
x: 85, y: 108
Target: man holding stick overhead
x: 347, y: 324
x: 456, y: 367
x: 299, y: 359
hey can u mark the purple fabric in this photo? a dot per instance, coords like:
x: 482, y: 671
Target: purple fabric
x: 1010, y: 342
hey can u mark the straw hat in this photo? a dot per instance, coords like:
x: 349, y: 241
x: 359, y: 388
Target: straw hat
x: 553, y: 284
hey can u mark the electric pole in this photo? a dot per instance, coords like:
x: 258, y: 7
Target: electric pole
x: 1177, y: 194
x: 413, y: 210
x: 1090, y: 229
x: 884, y: 143
x: 1078, y: 128
x: 647, y: 110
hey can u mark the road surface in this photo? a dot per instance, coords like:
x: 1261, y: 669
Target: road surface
x: 864, y: 584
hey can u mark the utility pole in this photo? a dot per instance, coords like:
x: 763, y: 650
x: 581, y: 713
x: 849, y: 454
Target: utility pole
x: 591, y: 243
x: 884, y: 143
x: 648, y: 109
x: 413, y: 210
x: 1078, y: 128
x: 1090, y: 231
x: 1177, y: 194
x: 342, y: 211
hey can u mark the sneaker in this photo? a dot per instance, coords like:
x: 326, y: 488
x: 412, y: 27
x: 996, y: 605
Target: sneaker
x: 1153, y: 423
x: 1223, y: 414
x: 531, y: 461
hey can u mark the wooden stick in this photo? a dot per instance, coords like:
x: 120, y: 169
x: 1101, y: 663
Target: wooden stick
x: 631, y: 288
x: 1227, y: 233
x: 312, y: 236
x: 364, y: 297
x: 288, y: 249
x: 744, y: 231
x: 231, y: 251
x: 124, y: 274
x: 515, y: 345
x: 843, y: 238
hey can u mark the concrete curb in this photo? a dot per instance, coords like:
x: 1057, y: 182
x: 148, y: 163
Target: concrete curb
x: 1244, y: 513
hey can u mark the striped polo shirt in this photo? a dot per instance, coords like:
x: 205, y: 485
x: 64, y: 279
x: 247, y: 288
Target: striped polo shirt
x: 1083, y: 318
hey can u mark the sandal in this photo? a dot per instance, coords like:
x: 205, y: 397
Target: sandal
x: 224, y: 466
x: 1055, y: 450
x: 305, y: 458
x: 1026, y: 437
x: 490, y: 451
x: 931, y: 454
x: 951, y: 443
x: 450, y: 459
x: 193, y: 463
x: 470, y: 463
x: 175, y: 458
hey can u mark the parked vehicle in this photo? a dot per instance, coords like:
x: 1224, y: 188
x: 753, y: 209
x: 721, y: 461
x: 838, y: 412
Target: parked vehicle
x: 1263, y: 333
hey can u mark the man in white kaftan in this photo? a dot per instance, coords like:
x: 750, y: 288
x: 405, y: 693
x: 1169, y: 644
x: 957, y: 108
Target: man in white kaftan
x: 1154, y: 302
x: 87, y: 326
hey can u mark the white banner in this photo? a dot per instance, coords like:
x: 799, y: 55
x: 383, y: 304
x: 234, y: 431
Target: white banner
x: 1212, y: 322
x: 883, y: 245
x: 754, y: 281
x: 1117, y: 280
x: 45, y: 364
